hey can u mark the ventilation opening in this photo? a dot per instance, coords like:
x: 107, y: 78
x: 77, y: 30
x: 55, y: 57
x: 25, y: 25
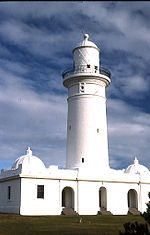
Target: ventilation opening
x: 82, y: 87
x: 83, y: 160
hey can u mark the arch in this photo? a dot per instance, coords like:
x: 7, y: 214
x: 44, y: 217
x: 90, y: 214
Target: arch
x: 68, y: 197
x: 103, y: 198
x: 132, y: 199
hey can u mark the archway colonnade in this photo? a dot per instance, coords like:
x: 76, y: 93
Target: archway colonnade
x: 68, y: 197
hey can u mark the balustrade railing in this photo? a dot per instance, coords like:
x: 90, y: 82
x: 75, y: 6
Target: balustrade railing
x: 85, y: 69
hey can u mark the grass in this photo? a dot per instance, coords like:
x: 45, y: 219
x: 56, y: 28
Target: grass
x: 11, y: 224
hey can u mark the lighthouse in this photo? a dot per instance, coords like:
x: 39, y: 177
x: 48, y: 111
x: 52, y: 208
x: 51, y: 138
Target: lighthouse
x: 87, y: 139
x: 88, y: 186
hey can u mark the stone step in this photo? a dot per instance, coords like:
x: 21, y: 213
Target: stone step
x: 103, y: 211
x: 68, y: 211
x: 133, y: 211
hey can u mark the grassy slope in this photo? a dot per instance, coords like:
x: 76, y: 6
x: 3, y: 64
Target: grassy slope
x: 63, y: 225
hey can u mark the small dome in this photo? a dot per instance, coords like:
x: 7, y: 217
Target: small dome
x: 137, y: 168
x: 29, y: 162
x: 86, y: 42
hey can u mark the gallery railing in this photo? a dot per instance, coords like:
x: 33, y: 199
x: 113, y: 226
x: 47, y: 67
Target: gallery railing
x: 85, y: 69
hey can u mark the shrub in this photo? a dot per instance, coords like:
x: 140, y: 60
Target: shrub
x: 135, y: 228
x: 146, y: 214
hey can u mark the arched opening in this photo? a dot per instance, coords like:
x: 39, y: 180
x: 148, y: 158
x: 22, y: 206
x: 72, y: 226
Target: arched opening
x: 68, y: 197
x: 132, y: 199
x: 103, y: 198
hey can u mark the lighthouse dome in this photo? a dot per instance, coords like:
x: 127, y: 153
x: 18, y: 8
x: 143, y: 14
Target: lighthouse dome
x: 137, y: 168
x: 86, y: 43
x: 29, y: 162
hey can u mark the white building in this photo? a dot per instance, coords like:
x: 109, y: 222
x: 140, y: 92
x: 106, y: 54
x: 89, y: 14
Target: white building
x: 88, y: 185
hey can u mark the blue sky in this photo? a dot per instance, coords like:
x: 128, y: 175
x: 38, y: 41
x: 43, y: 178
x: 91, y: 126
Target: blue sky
x: 36, y: 42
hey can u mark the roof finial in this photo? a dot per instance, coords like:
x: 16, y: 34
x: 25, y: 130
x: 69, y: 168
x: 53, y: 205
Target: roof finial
x: 29, y: 152
x: 86, y: 36
x: 136, y: 160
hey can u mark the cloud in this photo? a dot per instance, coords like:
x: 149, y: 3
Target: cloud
x: 35, y: 10
x: 128, y: 130
x: 135, y: 86
x: 121, y: 23
x: 31, y: 119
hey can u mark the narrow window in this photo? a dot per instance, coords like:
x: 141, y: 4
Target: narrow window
x: 9, y: 193
x: 63, y: 198
x: 40, y: 191
x: 83, y: 160
x: 96, y: 67
x: 88, y: 66
x: 97, y: 130
x: 70, y: 127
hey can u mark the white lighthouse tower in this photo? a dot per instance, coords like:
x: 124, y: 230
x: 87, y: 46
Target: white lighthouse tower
x: 87, y: 140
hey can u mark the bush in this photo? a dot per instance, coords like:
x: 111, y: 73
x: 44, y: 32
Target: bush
x: 146, y: 214
x: 135, y: 228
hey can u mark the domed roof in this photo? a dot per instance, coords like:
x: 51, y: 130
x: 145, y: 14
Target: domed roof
x: 86, y: 42
x: 137, y: 168
x: 29, y: 162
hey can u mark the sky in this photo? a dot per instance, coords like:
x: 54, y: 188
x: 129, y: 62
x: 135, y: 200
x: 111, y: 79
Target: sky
x: 36, y: 43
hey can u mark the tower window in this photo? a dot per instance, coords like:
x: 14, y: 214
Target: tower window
x: 82, y: 159
x: 88, y: 65
x: 97, y: 130
x: 40, y: 191
x: 82, y: 87
x: 96, y: 67
x: 9, y: 193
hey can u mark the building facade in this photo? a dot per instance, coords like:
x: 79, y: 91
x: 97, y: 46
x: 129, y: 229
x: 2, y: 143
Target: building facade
x: 87, y: 186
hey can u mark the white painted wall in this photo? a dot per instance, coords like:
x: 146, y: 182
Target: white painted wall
x: 31, y: 205
x: 11, y: 205
x: 52, y: 202
x: 86, y: 194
